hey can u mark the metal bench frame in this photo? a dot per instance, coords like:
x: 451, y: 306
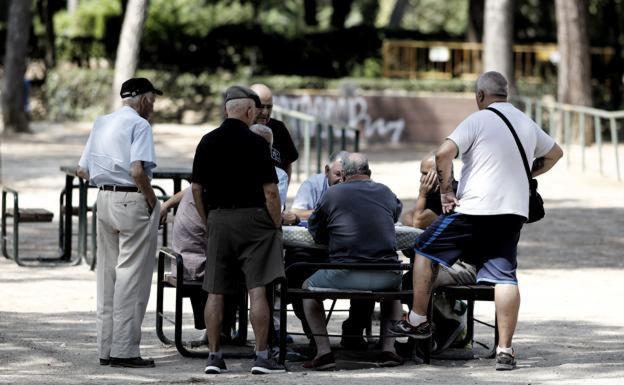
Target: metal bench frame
x: 185, y: 288
x: 30, y: 262
x: 470, y: 293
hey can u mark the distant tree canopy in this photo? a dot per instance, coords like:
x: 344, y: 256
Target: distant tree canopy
x: 235, y: 33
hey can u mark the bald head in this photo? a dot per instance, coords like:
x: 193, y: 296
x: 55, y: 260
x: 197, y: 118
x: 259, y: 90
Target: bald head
x: 427, y: 163
x: 491, y: 87
x: 266, y: 99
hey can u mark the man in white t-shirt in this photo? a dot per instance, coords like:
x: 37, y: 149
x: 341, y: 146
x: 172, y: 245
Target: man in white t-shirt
x: 482, y: 222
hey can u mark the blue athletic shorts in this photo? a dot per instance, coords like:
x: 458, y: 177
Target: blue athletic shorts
x: 489, y: 242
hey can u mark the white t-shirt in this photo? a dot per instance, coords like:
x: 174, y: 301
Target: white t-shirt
x: 117, y: 140
x: 493, y: 179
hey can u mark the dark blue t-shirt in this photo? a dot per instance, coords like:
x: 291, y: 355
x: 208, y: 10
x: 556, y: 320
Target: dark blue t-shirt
x: 356, y: 219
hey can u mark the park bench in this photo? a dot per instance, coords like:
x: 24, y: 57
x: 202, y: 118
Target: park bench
x: 184, y: 289
x: 469, y: 293
x: 19, y: 215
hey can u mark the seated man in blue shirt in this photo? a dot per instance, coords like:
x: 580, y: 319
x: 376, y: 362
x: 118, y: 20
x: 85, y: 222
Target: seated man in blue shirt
x: 356, y: 218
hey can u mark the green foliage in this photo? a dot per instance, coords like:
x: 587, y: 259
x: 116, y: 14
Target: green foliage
x: 80, y: 94
x: 89, y: 21
x: 434, y: 16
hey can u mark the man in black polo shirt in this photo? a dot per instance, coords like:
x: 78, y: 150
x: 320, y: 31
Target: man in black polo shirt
x: 242, y: 207
x: 284, y: 152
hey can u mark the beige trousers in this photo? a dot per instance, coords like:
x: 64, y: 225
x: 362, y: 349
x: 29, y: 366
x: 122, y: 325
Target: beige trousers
x: 126, y: 240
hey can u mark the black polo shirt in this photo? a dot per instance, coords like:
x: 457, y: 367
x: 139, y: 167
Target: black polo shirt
x: 232, y: 164
x: 284, y: 151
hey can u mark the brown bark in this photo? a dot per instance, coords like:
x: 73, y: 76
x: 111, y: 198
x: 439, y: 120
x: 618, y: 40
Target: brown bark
x: 474, y: 32
x: 397, y: 14
x: 574, y: 69
x: 129, y: 46
x: 498, y: 39
x: 13, y: 115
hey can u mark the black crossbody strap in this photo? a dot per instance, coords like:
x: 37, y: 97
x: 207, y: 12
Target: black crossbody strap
x: 520, y: 148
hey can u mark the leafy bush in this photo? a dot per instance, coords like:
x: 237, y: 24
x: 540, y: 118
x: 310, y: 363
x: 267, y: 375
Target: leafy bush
x: 82, y: 94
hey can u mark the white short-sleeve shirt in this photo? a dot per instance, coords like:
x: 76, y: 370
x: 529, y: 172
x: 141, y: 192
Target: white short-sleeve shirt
x: 493, y: 179
x: 116, y: 140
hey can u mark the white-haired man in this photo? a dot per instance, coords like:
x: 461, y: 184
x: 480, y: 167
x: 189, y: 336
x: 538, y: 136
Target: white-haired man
x: 483, y: 221
x: 119, y: 158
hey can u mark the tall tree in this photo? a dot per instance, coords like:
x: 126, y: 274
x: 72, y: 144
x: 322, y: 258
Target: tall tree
x: 310, y: 8
x: 498, y: 39
x: 13, y: 113
x: 474, y: 32
x: 397, y: 14
x: 574, y: 69
x: 45, y: 8
x: 341, y: 9
x: 129, y: 46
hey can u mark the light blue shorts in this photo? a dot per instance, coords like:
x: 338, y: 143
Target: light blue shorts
x: 369, y: 280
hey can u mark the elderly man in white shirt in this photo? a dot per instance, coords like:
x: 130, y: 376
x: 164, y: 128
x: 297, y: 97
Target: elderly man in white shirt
x: 118, y: 158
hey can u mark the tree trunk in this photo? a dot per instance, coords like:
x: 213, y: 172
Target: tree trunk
x: 498, y: 39
x: 13, y: 113
x: 341, y: 9
x: 614, y: 69
x: 574, y: 69
x: 474, y: 33
x: 44, y: 7
x: 397, y: 14
x: 309, y: 8
x: 129, y: 46
x: 72, y: 5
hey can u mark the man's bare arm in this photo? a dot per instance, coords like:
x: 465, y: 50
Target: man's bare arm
x: 170, y: 203
x: 271, y: 195
x: 549, y: 160
x: 82, y: 173
x: 444, y: 167
x: 198, y: 191
x: 142, y: 182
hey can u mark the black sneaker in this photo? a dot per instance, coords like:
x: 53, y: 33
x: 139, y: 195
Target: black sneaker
x: 404, y: 328
x: 505, y: 361
x: 215, y: 365
x: 267, y: 366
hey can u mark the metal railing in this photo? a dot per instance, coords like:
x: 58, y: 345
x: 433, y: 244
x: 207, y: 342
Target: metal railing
x: 571, y: 125
x: 308, y: 130
x: 446, y: 60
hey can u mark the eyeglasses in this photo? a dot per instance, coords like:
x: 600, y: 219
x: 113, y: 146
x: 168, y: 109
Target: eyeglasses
x: 265, y: 106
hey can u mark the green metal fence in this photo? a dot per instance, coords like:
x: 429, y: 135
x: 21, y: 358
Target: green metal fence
x: 570, y: 124
x: 326, y: 137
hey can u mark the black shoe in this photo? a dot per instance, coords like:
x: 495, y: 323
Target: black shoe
x: 505, y: 361
x: 389, y: 359
x: 404, y: 328
x: 267, y: 366
x: 133, y: 362
x: 104, y: 361
x: 215, y: 365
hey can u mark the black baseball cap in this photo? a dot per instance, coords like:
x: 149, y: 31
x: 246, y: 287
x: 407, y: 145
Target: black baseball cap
x: 137, y: 86
x: 240, y: 92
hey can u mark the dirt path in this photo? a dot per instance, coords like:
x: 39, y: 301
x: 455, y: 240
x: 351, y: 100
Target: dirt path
x: 571, y: 328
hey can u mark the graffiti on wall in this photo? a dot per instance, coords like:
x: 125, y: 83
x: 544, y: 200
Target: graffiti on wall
x: 350, y: 110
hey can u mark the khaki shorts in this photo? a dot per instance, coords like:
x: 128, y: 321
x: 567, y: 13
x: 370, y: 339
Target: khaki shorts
x: 242, y: 241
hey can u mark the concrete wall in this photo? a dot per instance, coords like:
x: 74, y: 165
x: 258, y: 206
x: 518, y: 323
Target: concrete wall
x: 387, y: 118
